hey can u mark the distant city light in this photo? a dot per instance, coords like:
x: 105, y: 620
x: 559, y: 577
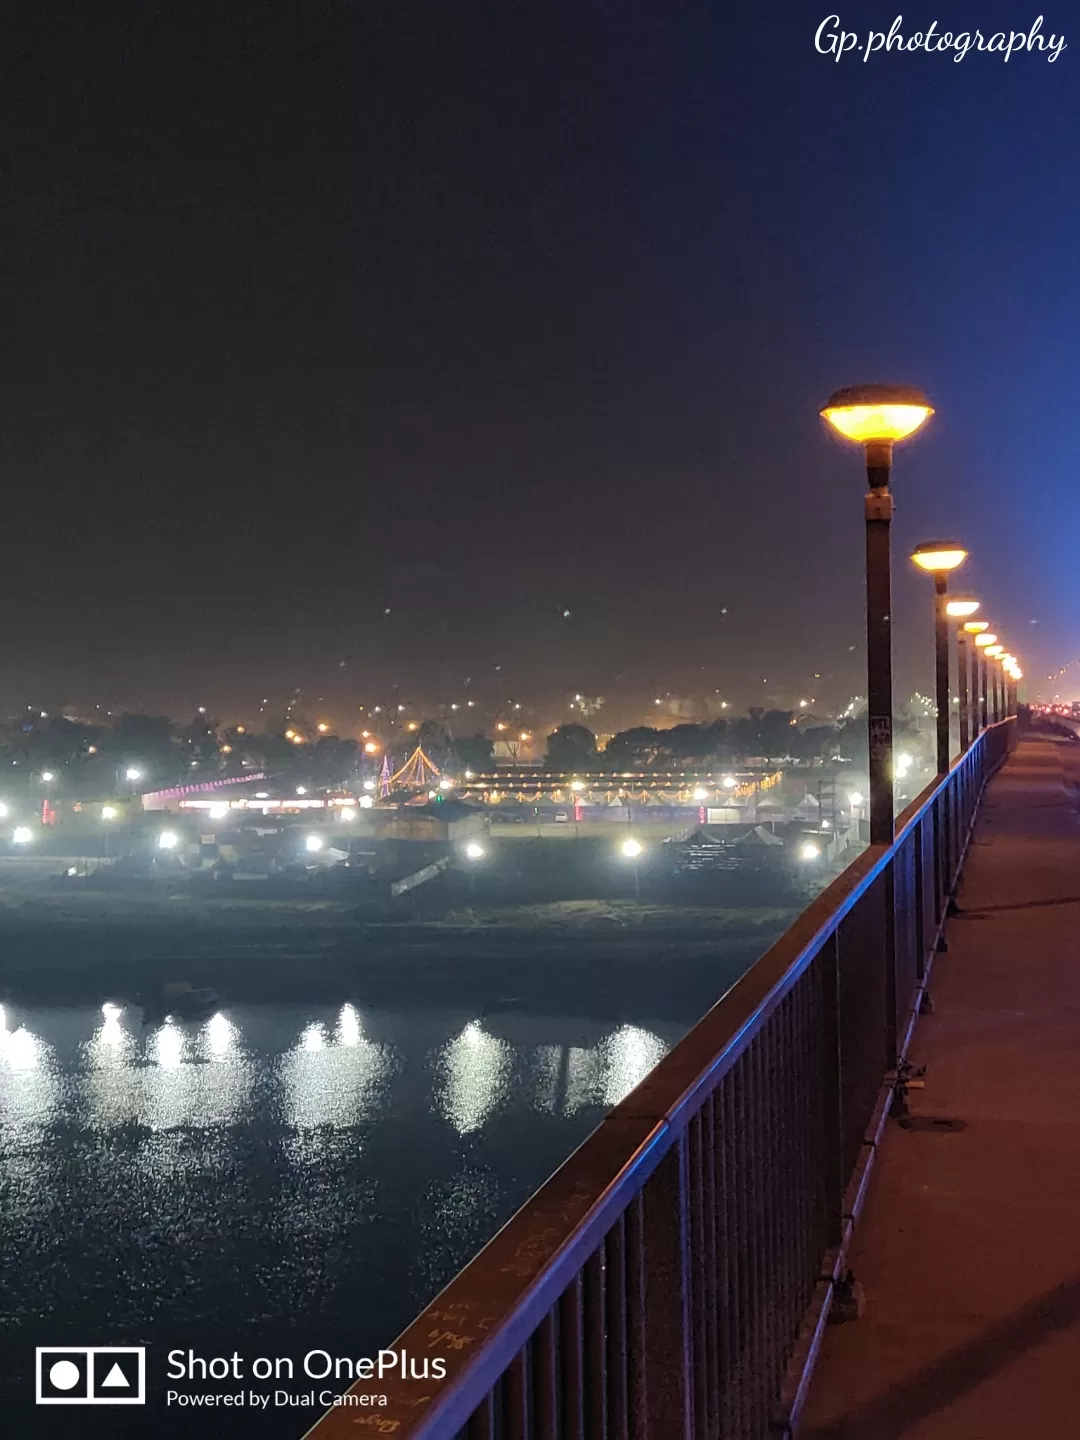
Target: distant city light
x: 855, y: 799
x: 47, y: 775
x: 108, y: 812
x: 322, y: 727
x: 729, y: 782
x: 348, y: 814
x: 168, y: 840
x: 474, y: 851
x: 366, y: 802
x: 700, y: 793
x: 371, y: 748
x: 809, y: 851
x: 369, y: 784
x: 132, y: 773
x: 803, y: 704
x: 23, y: 835
x: 446, y: 783
x: 313, y: 843
x: 301, y: 789
x: 631, y: 849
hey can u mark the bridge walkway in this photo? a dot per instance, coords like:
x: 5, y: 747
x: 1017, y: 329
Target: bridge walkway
x: 968, y: 1251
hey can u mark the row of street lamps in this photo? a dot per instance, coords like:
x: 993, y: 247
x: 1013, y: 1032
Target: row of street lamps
x: 877, y: 417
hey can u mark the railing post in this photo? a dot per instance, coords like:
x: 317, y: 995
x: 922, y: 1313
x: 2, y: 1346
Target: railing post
x: 669, y: 1390
x: 919, y: 900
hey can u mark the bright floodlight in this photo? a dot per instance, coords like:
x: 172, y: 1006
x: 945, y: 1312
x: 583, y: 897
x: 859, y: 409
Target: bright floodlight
x: 577, y: 785
x: 3, y: 809
x: 218, y: 810
x: 446, y: 783
x: 729, y: 782
x: 47, y: 775
x: 855, y: 799
x: 347, y: 814
x: 314, y: 842
x: 985, y: 639
x: 301, y: 789
x: 976, y: 627
x: 937, y: 556
x: 631, y: 849
x: 108, y: 812
x: 809, y: 851
x: 23, y: 835
x: 167, y: 840
x: 371, y: 748
x: 132, y: 773
x: 961, y: 607
x: 876, y: 413
x: 369, y: 784
x: 700, y: 793
x: 473, y: 851
x: 366, y: 802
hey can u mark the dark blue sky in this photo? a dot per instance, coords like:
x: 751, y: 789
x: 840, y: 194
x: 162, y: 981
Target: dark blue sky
x: 481, y: 312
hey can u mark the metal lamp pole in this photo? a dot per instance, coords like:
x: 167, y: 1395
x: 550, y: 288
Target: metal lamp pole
x: 984, y: 691
x: 962, y: 676
x: 961, y: 609
x: 876, y: 417
x: 939, y: 558
x: 941, y: 670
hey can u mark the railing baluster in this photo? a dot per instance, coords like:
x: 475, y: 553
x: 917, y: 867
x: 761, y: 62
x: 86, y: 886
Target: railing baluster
x: 571, y: 1362
x: 668, y: 1347
x: 618, y: 1332
x: 545, y: 1380
x: 595, y: 1347
x: 515, y: 1407
x: 482, y: 1424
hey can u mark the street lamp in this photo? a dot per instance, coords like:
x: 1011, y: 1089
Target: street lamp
x: 973, y: 628
x: 982, y: 640
x: 995, y: 652
x: 961, y: 608
x: 876, y: 417
x: 938, y: 558
x: 632, y: 850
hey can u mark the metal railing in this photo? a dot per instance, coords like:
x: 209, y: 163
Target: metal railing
x: 672, y: 1279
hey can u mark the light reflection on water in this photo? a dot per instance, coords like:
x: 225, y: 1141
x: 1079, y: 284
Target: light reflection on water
x: 270, y: 1165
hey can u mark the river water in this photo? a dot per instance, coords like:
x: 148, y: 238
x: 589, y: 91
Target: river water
x: 274, y: 1179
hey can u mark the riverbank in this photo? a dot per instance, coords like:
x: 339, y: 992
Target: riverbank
x: 68, y: 944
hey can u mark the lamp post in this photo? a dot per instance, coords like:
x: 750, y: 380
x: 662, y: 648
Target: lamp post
x: 959, y: 609
x: 974, y: 628
x: 876, y: 417
x: 995, y: 652
x: 938, y: 558
x: 981, y: 642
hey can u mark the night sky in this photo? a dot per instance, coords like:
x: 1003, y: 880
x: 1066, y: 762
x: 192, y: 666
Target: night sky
x: 481, y: 312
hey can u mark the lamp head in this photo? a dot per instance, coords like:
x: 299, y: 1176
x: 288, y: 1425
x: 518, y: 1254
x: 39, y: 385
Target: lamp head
x: 976, y: 627
x: 939, y: 556
x: 876, y: 414
x: 995, y: 650
x: 961, y: 607
x: 985, y: 639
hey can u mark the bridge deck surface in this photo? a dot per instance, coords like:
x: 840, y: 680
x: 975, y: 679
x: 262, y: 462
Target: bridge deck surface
x: 968, y: 1250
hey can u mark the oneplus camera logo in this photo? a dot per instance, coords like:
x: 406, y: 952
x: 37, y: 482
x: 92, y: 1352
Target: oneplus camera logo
x: 91, y: 1375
